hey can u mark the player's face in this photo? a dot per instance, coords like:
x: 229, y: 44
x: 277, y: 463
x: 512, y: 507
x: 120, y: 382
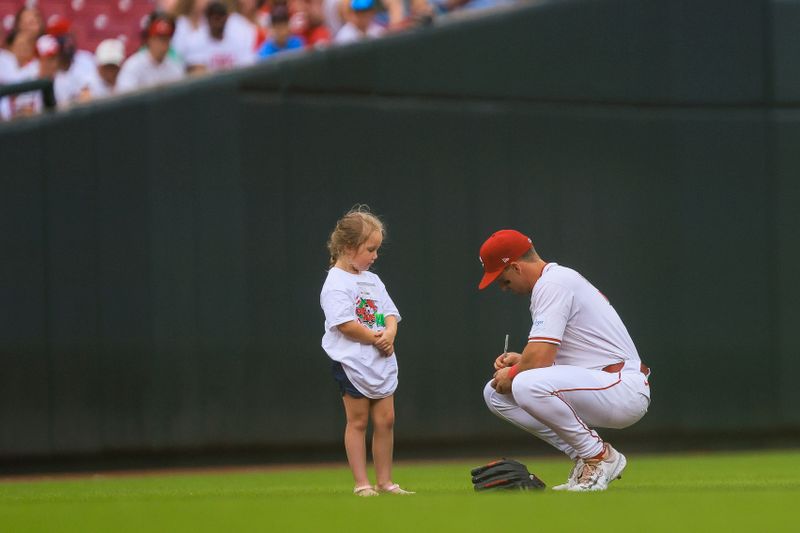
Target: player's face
x: 367, y: 253
x: 512, y: 280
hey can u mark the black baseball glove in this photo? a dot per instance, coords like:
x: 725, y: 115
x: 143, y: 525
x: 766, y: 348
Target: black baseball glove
x: 504, y: 474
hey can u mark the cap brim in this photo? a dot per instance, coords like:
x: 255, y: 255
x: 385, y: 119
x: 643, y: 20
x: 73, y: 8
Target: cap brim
x: 488, y: 278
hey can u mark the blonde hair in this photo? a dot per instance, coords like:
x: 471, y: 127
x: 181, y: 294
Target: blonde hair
x: 353, y: 230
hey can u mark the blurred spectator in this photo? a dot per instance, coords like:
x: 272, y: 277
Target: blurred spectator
x: 251, y: 12
x: 108, y: 57
x: 335, y: 12
x: 362, y: 23
x: 419, y: 12
x: 81, y: 61
x: 308, y: 21
x: 191, y: 31
x: 47, y: 50
x: 19, y: 61
x: 167, y: 6
x: 70, y: 84
x: 240, y: 29
x: 21, y: 40
x: 152, y: 65
x: 223, y: 50
x: 281, y: 38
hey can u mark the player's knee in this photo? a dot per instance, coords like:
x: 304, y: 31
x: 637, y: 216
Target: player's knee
x: 491, y: 398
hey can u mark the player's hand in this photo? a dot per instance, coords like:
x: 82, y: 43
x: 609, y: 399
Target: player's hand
x: 509, y: 359
x: 501, y: 383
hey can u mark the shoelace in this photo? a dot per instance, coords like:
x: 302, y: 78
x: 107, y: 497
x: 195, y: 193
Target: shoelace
x: 590, y: 473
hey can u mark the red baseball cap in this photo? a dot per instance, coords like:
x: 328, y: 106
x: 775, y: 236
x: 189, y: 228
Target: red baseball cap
x: 161, y: 28
x: 499, y: 250
x: 58, y: 25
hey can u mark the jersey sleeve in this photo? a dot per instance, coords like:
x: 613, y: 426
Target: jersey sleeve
x: 551, y: 307
x: 338, y: 306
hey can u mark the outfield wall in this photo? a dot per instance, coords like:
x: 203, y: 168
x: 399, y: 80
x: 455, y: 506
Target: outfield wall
x: 163, y: 253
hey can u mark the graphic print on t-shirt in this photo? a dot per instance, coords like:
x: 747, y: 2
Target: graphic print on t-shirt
x: 365, y: 304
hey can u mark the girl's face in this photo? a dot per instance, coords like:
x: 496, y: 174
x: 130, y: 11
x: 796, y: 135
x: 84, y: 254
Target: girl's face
x: 30, y: 22
x: 366, y: 254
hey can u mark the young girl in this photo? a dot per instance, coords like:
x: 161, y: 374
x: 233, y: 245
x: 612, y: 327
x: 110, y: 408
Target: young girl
x: 360, y: 328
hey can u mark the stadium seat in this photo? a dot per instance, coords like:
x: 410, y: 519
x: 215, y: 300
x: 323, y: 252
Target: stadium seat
x: 92, y: 20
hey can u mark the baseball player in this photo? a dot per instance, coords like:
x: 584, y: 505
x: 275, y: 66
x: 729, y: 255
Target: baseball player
x: 579, y: 369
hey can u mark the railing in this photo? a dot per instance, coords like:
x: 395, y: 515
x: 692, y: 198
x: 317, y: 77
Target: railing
x: 46, y: 86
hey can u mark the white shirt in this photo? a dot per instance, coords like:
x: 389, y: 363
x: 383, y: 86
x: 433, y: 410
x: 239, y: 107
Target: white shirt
x: 188, y: 41
x: 570, y: 312
x: 227, y: 53
x: 8, y: 65
x: 141, y: 71
x: 68, y: 86
x: 99, y: 88
x: 83, y: 64
x: 349, y: 33
x: 346, y: 297
x: 242, y: 31
x: 11, y: 72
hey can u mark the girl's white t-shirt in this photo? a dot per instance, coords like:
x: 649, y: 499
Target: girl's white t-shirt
x: 359, y: 297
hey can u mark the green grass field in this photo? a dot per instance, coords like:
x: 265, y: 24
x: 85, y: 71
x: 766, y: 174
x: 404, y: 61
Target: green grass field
x: 753, y: 492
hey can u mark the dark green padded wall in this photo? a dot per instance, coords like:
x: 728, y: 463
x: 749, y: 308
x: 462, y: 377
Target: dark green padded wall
x: 163, y: 253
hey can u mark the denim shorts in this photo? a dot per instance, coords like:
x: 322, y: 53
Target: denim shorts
x: 345, y: 386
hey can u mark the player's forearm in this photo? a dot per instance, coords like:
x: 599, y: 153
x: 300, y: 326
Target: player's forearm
x: 356, y: 332
x: 537, y: 355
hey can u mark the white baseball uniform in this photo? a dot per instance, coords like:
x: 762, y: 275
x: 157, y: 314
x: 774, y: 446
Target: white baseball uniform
x: 597, y: 379
x: 346, y: 297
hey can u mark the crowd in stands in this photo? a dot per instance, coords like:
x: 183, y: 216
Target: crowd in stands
x: 180, y: 38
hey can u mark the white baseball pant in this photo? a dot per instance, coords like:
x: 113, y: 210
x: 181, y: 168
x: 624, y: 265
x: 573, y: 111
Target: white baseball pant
x: 560, y: 404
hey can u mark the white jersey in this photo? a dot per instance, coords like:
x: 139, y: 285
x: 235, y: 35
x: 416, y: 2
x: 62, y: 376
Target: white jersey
x: 140, y: 71
x: 346, y: 297
x: 570, y: 312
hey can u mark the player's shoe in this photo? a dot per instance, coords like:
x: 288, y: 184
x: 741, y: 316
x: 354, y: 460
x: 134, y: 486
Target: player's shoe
x: 573, y: 476
x: 597, y: 474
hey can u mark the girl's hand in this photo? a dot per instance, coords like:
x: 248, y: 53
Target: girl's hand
x: 388, y: 352
x: 384, y: 341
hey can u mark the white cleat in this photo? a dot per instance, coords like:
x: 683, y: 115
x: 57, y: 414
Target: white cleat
x: 573, y: 476
x: 598, y: 474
